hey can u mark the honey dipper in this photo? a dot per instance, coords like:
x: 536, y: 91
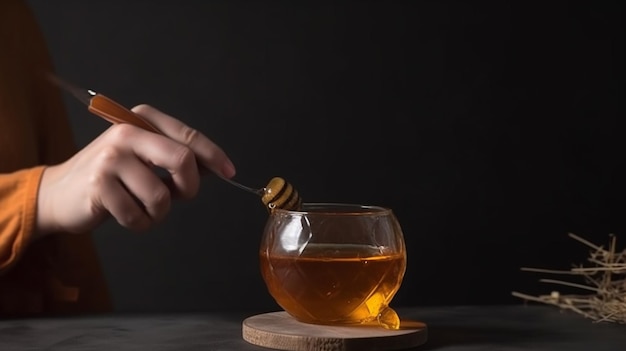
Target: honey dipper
x: 277, y: 194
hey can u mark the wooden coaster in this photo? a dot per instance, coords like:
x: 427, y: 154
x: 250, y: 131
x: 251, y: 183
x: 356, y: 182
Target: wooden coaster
x: 278, y: 330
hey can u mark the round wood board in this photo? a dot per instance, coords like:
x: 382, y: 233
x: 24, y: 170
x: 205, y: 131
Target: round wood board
x: 280, y: 331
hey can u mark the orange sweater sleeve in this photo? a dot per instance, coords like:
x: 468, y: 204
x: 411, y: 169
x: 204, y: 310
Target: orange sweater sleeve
x: 59, y: 273
x: 18, y: 199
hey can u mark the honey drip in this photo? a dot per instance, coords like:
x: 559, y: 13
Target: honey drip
x: 388, y: 319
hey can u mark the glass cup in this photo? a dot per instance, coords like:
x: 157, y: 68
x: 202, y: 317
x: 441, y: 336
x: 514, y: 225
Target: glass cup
x: 334, y: 264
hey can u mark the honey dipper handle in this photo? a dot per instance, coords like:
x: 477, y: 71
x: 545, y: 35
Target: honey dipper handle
x: 115, y: 113
x: 243, y: 187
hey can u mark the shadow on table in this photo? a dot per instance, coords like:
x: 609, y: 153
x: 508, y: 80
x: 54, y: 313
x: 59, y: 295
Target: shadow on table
x: 440, y: 336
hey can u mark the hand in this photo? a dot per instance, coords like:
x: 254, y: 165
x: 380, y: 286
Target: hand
x: 115, y: 176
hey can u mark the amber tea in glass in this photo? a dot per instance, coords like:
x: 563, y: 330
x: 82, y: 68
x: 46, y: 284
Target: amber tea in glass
x: 334, y: 263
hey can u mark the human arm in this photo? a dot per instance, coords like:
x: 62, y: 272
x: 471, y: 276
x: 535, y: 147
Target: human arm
x: 18, y: 199
x: 34, y: 129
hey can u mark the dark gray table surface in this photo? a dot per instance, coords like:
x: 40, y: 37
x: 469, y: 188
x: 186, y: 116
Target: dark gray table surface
x: 458, y: 328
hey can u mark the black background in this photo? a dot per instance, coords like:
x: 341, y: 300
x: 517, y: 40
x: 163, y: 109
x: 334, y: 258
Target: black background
x: 490, y: 128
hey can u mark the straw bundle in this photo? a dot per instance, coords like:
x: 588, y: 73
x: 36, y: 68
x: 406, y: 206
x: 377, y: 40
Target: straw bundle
x: 604, y: 280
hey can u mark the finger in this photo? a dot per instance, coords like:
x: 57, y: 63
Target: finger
x: 208, y: 154
x: 146, y: 187
x: 154, y: 149
x: 123, y: 207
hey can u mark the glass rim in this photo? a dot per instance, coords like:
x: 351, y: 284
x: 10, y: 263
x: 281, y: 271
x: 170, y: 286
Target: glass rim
x: 336, y: 208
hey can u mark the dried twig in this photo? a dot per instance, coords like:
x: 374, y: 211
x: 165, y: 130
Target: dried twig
x: 606, y: 276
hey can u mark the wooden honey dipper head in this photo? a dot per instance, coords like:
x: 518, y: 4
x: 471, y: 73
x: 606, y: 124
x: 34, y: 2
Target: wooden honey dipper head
x: 280, y: 194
